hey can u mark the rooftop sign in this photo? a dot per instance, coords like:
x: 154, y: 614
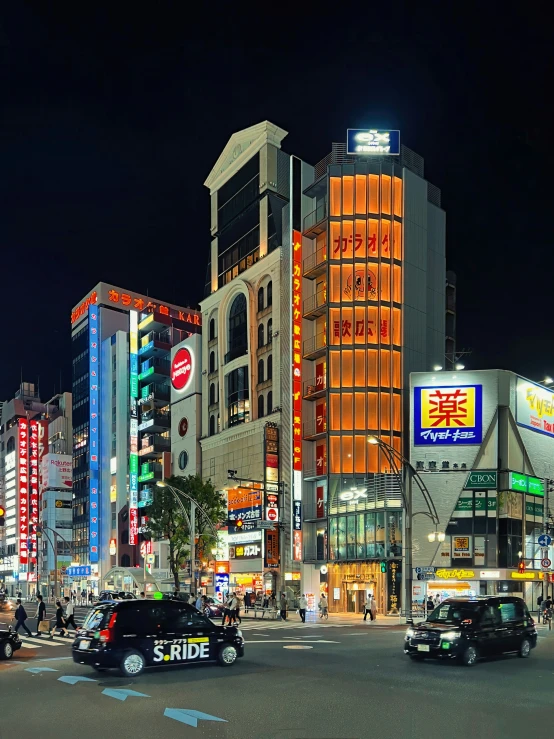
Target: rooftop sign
x: 372, y: 141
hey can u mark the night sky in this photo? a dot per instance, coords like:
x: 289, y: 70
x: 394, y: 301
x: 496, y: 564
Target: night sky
x: 111, y: 120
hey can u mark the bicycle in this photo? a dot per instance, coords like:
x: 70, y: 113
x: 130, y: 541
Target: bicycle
x: 323, y: 613
x: 547, y: 617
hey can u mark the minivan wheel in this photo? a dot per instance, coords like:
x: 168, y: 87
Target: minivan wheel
x: 7, y: 650
x: 132, y: 663
x: 524, y: 648
x: 469, y: 656
x: 227, y: 655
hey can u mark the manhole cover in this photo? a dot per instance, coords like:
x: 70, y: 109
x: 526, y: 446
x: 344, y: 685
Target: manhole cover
x: 297, y: 646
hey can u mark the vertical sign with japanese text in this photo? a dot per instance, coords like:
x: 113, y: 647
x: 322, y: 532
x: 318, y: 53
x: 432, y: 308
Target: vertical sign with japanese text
x: 33, y: 489
x: 271, y: 475
x: 94, y: 372
x: 133, y: 428
x: 23, y: 477
x: 42, y: 451
x: 297, y: 382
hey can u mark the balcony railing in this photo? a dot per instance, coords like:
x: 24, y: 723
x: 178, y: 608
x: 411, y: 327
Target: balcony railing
x: 315, y: 428
x: 315, y: 305
x: 315, y: 347
x: 235, y: 353
x: 314, y: 222
x: 315, y: 388
x: 315, y: 263
x: 161, y: 420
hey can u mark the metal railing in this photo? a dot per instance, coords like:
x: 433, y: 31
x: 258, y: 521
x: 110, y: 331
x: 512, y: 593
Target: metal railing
x: 316, y: 216
x: 316, y: 259
x: 315, y: 385
x: 315, y: 344
x: 315, y: 301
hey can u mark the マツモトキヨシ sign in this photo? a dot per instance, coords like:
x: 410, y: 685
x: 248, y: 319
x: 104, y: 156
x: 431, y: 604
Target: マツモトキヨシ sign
x: 448, y: 415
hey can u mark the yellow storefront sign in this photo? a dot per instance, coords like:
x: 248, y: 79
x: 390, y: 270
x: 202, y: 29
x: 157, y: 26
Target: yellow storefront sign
x: 445, y: 574
x: 448, y: 407
x: 522, y: 575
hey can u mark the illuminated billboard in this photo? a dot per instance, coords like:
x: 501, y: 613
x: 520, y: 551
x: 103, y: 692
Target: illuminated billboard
x: 534, y: 407
x: 446, y: 416
x: 372, y: 141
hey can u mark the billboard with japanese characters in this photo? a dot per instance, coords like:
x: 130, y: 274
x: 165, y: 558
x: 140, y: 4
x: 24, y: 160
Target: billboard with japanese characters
x: 534, y: 406
x: 448, y: 415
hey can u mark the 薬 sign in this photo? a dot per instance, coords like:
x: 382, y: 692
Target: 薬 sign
x: 448, y: 415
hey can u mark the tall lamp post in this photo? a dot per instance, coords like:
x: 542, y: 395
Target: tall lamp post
x: 190, y: 518
x: 405, y: 473
x: 42, y: 529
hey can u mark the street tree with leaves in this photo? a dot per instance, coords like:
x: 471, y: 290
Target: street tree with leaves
x: 167, y: 522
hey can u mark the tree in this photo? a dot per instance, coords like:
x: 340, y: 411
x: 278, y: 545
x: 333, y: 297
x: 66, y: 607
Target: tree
x: 167, y: 522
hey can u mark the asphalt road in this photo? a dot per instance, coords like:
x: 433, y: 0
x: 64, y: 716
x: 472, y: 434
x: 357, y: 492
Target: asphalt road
x: 352, y: 682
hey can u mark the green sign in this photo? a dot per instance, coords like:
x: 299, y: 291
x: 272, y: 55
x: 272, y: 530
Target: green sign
x: 149, y: 371
x: 147, y: 476
x: 481, y: 480
x: 524, y: 484
x: 464, y: 504
x: 535, y: 510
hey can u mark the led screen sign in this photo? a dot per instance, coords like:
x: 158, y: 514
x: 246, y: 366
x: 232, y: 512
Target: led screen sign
x: 534, y: 407
x: 372, y: 141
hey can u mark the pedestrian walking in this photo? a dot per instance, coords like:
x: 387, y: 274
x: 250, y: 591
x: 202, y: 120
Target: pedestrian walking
x: 373, y: 608
x: 539, y: 608
x: 237, y: 609
x: 323, y: 606
x: 226, y: 612
x: 430, y: 605
x: 20, y: 618
x: 198, y: 603
x: 246, y: 602
x: 302, y: 605
x: 367, y: 607
x: 70, y: 614
x: 41, y: 613
x: 283, y: 606
x: 60, y: 621
x: 83, y: 597
x: 90, y: 596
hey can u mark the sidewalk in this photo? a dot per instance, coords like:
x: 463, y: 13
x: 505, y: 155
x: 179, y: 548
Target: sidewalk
x: 337, y: 619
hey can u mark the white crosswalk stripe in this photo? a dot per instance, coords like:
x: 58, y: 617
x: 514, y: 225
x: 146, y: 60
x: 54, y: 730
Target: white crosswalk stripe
x: 263, y: 626
x: 34, y: 642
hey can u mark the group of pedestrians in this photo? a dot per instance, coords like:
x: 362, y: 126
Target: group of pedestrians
x: 64, y: 618
x: 231, y: 610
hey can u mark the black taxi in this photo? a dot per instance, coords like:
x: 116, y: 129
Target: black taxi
x: 467, y: 629
x: 134, y: 634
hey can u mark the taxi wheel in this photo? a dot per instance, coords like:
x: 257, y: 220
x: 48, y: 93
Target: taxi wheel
x: 7, y: 650
x: 469, y: 656
x: 132, y: 663
x: 524, y: 649
x: 227, y: 655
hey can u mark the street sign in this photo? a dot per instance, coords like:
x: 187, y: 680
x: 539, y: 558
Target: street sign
x: 481, y: 480
x: 545, y: 540
x: 264, y: 525
x: 272, y: 514
x: 545, y: 563
x: 421, y: 570
x: 426, y: 576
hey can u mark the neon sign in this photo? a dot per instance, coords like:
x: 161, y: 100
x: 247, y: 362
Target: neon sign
x: 297, y: 385
x: 182, y: 369
x: 133, y: 428
x: 33, y: 489
x: 372, y: 141
x: 94, y: 364
x: 23, y: 471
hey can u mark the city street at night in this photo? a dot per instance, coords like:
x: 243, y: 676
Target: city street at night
x: 339, y: 680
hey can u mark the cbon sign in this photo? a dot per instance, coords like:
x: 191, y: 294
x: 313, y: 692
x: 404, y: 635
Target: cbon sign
x: 182, y: 369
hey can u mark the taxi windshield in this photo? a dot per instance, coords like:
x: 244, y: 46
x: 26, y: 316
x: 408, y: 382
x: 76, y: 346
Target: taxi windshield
x: 454, y: 613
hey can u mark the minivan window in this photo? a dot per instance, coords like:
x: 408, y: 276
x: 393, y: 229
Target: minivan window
x: 138, y: 619
x: 511, y: 611
x: 454, y: 613
x: 490, y: 617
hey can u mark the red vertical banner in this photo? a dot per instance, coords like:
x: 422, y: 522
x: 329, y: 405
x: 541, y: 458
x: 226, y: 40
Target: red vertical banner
x: 320, y: 501
x: 321, y: 459
x: 23, y: 479
x: 33, y: 488
x: 297, y: 350
x: 320, y: 418
x: 320, y: 376
x: 42, y: 450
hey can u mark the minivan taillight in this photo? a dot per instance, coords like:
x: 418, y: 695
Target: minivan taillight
x: 108, y: 635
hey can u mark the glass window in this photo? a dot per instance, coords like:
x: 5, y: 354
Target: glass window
x: 261, y: 299
x: 261, y: 370
x: 212, y: 393
x: 341, y: 544
x: 394, y: 538
x: 269, y: 330
x: 212, y: 425
x: 269, y: 293
x: 360, y: 536
x: 260, y: 406
x: 351, y: 537
x: 333, y: 529
x: 269, y: 402
x: 453, y: 613
x: 490, y: 617
x: 212, y: 329
x: 237, y: 323
x: 260, y: 335
x: 510, y: 611
x: 238, y: 403
x: 270, y: 367
x: 212, y: 361
x: 380, y: 534
x: 370, y: 534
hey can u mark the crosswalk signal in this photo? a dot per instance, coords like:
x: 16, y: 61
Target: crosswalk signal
x: 521, y: 566
x: 2, y: 516
x: 383, y: 566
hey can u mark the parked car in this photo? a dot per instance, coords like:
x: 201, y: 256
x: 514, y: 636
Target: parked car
x: 133, y: 635
x: 467, y: 629
x: 212, y: 608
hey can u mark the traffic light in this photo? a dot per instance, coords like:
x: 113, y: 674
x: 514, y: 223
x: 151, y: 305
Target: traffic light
x: 239, y: 523
x: 383, y: 566
x: 2, y: 515
x: 521, y: 566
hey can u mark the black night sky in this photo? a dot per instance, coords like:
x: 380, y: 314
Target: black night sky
x: 112, y: 117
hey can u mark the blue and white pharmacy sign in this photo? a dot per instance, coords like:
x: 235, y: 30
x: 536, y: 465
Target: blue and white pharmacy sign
x: 448, y: 416
x: 372, y: 141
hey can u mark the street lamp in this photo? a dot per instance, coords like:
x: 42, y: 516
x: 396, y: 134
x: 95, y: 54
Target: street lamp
x: 547, y: 381
x: 406, y: 478
x: 437, y: 368
x: 436, y: 536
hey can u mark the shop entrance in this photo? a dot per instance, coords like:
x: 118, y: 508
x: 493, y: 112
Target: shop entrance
x: 356, y: 595
x: 350, y: 584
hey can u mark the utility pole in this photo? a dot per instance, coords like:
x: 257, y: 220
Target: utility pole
x: 193, y: 545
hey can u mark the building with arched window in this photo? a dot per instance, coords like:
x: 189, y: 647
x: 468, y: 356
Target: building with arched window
x: 329, y: 283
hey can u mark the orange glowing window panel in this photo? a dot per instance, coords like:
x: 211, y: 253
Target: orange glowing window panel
x: 397, y: 370
x: 372, y: 374
x: 385, y: 238
x: 373, y: 193
x: 385, y: 368
x: 397, y: 444
x: 359, y: 368
x: 360, y: 327
x: 334, y: 276
x: 334, y: 399
x: 372, y: 238
x: 334, y: 318
x: 347, y: 451
x: 360, y: 238
x: 372, y: 451
x: 347, y: 411
x: 347, y: 243
x: 386, y: 194
x: 385, y: 282
x: 347, y: 326
x: 397, y: 326
x: 334, y: 227
x: 397, y: 240
x: 385, y: 330
x: 359, y: 412
x: 334, y: 453
x: 397, y: 196
x: 346, y: 368
x: 347, y: 195
x: 397, y: 412
x: 361, y: 194
x: 385, y: 464
x: 334, y: 362
x: 360, y: 444
x: 385, y: 411
x: 372, y: 414
x: 396, y: 283
x: 372, y: 325
x: 335, y: 196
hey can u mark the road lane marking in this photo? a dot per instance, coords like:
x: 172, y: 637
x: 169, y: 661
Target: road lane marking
x: 280, y: 641
x: 297, y: 646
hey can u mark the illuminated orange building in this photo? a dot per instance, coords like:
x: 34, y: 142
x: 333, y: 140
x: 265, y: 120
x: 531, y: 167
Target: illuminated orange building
x: 373, y: 310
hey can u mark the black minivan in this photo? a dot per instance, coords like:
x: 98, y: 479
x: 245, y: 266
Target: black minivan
x: 134, y: 634
x: 467, y: 629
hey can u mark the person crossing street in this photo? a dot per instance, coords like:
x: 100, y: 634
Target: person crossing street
x: 21, y: 617
x: 70, y: 614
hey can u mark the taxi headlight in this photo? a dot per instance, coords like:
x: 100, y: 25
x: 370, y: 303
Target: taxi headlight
x: 409, y: 633
x: 450, y: 635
